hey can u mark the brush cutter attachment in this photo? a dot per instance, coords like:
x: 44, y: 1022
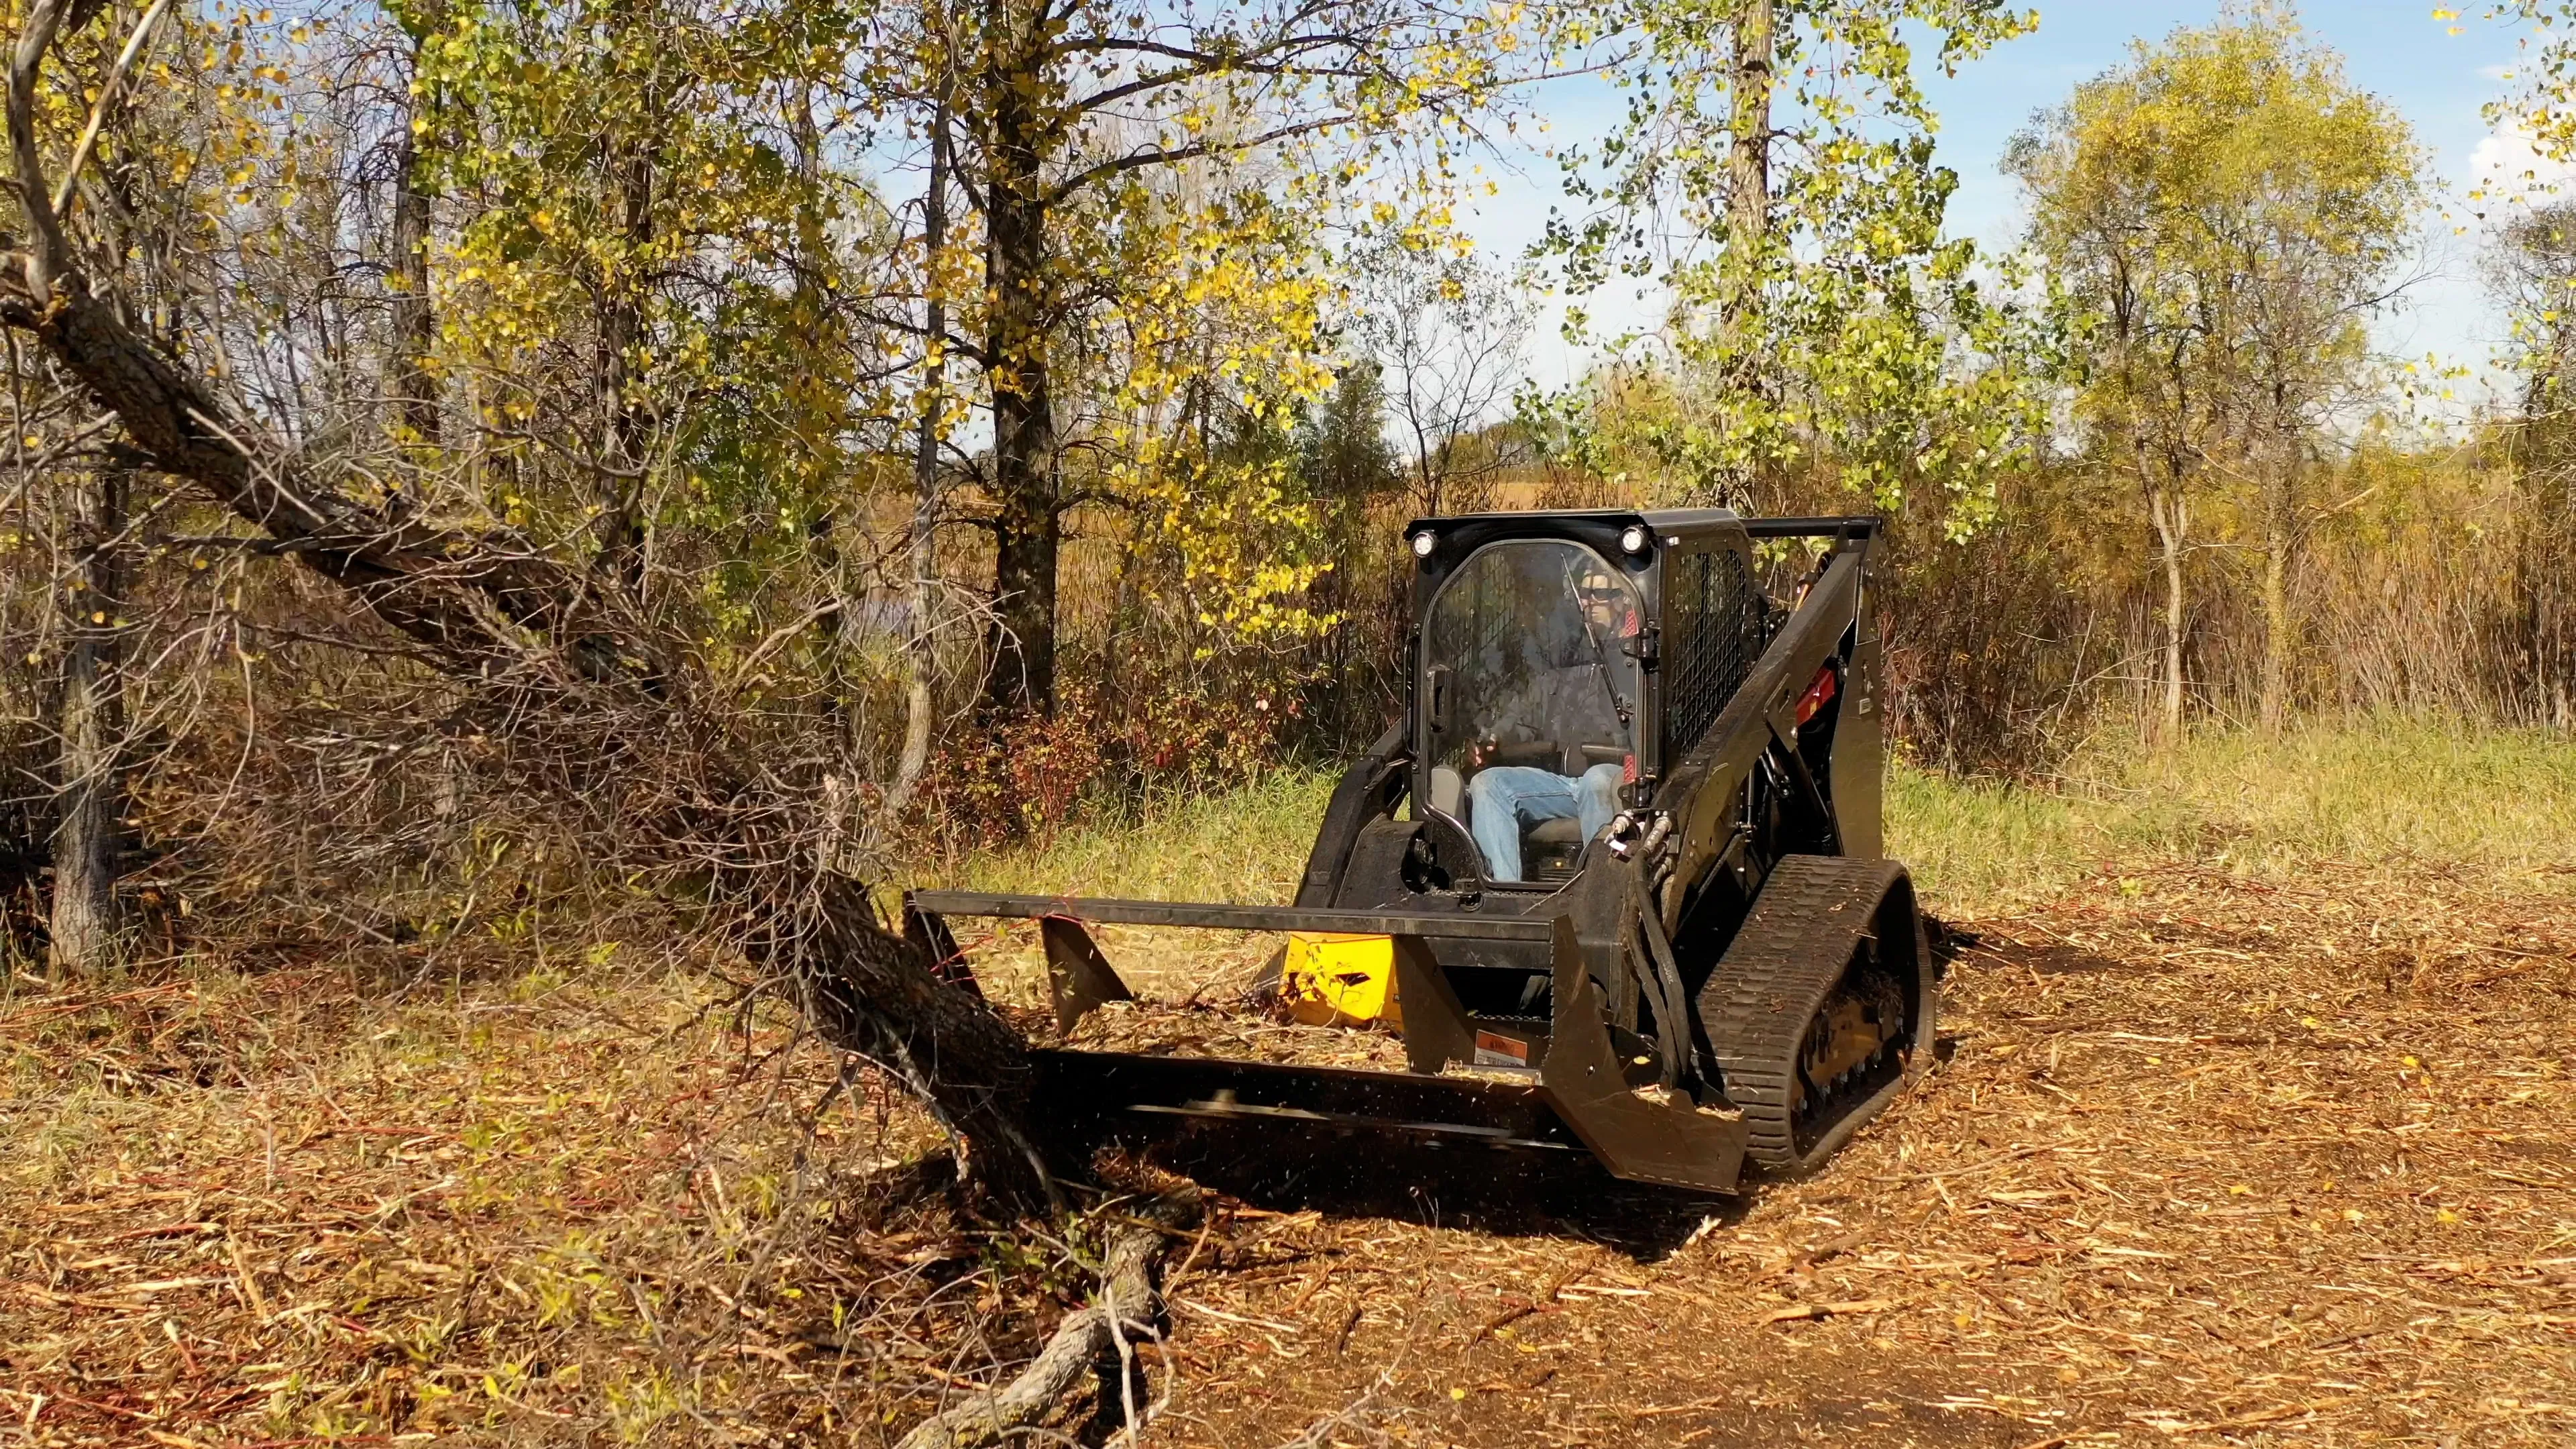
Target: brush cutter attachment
x: 1620, y: 860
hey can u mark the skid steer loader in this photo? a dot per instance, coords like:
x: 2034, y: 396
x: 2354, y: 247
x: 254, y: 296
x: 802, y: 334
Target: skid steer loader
x: 1621, y: 854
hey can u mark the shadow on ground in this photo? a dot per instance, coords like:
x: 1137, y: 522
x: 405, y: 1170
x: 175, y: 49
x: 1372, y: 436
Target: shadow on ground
x: 1508, y: 1192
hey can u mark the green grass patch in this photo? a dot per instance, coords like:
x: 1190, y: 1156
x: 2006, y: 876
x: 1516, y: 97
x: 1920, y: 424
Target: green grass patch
x: 1243, y: 845
x: 2397, y: 793
x: 2393, y: 793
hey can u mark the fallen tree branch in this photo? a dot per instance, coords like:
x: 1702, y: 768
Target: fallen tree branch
x: 1125, y: 1310
x: 613, y: 709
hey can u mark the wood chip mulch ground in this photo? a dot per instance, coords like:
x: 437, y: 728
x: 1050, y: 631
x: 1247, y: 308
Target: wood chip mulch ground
x: 2208, y: 1160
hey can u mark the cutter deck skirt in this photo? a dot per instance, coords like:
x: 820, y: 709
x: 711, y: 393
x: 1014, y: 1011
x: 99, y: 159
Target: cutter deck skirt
x: 1123, y: 1095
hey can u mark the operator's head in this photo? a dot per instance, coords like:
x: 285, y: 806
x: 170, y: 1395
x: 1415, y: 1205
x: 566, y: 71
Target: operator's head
x: 1608, y: 607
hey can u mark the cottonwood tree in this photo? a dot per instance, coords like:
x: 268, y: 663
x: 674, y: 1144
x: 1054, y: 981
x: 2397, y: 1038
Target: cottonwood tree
x: 1774, y: 176
x: 686, y: 318
x: 642, y: 290
x: 1341, y: 443
x: 1067, y: 116
x: 2228, y: 212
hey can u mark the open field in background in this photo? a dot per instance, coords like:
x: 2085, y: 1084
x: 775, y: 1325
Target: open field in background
x: 2255, y: 1127
x: 2393, y: 794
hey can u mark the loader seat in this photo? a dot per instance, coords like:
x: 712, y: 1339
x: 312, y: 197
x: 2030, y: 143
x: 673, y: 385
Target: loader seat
x: 1565, y: 832
x: 1549, y: 849
x: 1449, y: 792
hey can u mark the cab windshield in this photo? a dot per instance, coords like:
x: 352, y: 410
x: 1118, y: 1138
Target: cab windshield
x: 1525, y: 663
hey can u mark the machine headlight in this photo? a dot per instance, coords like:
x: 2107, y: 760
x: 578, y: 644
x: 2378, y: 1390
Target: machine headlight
x: 1424, y: 543
x: 1634, y: 538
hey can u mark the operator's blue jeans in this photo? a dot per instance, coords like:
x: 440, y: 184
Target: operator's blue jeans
x: 1502, y: 798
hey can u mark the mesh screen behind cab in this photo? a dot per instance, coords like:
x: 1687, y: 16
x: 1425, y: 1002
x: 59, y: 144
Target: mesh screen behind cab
x: 1716, y: 625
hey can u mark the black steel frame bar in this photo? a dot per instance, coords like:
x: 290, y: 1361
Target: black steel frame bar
x: 1109, y: 912
x: 1860, y: 526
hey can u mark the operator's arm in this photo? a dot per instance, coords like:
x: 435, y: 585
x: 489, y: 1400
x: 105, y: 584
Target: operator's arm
x: 1524, y: 726
x: 1519, y: 715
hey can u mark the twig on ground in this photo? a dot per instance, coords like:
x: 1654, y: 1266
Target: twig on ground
x: 1126, y: 1304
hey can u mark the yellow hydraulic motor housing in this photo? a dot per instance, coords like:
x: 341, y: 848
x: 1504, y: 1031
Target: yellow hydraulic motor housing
x: 1339, y: 980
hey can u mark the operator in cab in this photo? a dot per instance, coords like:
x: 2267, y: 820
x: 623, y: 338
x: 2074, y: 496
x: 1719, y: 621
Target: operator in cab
x: 1555, y: 741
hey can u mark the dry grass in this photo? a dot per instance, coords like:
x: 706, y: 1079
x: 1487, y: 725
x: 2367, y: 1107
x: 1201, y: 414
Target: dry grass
x: 294, y: 1205
x: 2396, y: 794
x: 2231, y: 1146
x: 1247, y: 846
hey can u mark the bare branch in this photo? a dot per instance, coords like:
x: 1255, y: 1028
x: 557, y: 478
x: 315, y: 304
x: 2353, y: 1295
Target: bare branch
x: 63, y: 189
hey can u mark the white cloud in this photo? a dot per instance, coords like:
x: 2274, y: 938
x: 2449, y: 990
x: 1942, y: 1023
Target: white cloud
x: 2506, y: 167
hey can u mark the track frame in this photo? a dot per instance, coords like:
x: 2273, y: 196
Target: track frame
x: 1819, y: 921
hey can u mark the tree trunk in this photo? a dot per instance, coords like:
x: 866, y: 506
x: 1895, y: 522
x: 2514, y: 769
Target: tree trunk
x: 922, y: 651
x: 2280, y: 530
x: 91, y: 720
x: 876, y: 994
x: 2546, y: 648
x: 1748, y: 218
x: 2548, y: 548
x: 1748, y: 167
x: 623, y: 424
x: 1027, y: 521
x: 415, y: 325
x: 2171, y: 518
x: 2553, y: 500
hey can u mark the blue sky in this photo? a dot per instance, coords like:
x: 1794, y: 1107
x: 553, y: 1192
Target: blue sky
x: 2394, y: 48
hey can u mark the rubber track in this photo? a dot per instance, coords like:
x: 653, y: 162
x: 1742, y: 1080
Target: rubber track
x: 1783, y: 962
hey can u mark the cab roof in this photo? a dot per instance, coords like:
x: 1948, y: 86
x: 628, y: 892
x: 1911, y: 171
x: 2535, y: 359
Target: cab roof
x: 1670, y: 524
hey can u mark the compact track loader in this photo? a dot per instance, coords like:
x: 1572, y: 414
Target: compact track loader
x: 1621, y: 854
